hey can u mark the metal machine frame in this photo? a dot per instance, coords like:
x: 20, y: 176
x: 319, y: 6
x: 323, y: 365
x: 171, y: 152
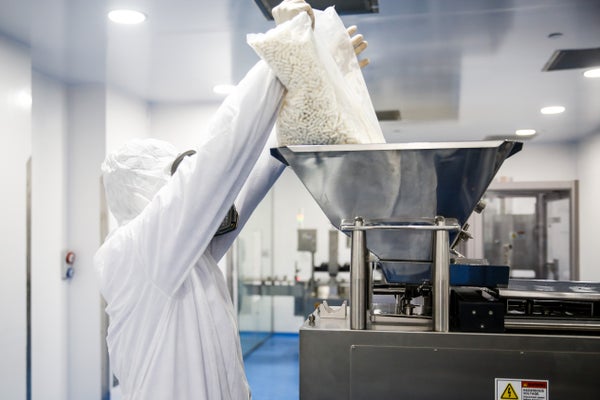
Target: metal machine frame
x: 409, y: 204
x: 357, y: 358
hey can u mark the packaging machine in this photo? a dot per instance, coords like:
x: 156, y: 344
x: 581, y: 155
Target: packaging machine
x: 439, y: 326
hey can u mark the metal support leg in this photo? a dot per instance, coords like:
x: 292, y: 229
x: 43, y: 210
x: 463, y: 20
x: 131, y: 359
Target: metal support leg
x: 441, y: 279
x: 358, y: 278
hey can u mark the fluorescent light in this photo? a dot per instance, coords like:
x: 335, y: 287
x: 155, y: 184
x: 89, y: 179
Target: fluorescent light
x: 525, y: 132
x: 129, y: 17
x: 223, y: 89
x: 552, y: 110
x: 592, y: 73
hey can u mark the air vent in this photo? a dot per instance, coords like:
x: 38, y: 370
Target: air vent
x: 572, y: 59
x: 388, y: 115
x: 341, y: 6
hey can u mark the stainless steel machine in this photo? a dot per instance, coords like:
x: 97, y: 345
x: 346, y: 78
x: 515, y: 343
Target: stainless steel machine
x: 439, y: 325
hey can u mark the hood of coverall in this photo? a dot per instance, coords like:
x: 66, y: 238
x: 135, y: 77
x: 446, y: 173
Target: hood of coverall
x: 134, y: 173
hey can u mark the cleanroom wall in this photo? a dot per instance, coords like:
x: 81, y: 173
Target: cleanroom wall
x: 541, y: 162
x: 588, y: 165
x: 15, y: 150
x: 85, y: 152
x: 180, y: 124
x: 61, y: 133
x: 49, y: 291
x: 127, y: 117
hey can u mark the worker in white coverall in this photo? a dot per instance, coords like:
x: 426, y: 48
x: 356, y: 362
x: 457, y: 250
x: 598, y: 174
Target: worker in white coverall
x: 173, y: 333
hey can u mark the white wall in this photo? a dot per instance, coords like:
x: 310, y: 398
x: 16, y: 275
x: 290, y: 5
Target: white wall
x: 49, y: 218
x: 15, y: 148
x: 127, y: 117
x: 85, y: 152
x: 181, y: 124
x: 589, y: 211
x: 541, y: 162
x: 64, y: 135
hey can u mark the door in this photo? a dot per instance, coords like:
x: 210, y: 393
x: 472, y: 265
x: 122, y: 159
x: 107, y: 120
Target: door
x: 532, y: 227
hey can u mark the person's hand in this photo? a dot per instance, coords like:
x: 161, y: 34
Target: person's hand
x: 359, y: 43
x: 288, y: 9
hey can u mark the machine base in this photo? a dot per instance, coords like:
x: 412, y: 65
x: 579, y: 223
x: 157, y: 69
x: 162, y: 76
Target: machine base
x: 339, y: 363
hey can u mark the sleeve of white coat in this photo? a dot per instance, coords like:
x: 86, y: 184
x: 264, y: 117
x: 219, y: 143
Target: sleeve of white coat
x: 178, y: 225
x: 266, y: 171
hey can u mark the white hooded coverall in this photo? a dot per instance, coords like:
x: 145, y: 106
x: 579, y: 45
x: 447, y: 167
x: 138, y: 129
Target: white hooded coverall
x: 173, y: 332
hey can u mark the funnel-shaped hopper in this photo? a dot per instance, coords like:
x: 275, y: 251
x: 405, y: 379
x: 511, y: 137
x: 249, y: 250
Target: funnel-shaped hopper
x: 396, y: 183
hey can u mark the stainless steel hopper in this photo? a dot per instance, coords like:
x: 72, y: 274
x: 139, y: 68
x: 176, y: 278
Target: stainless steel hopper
x: 398, y: 183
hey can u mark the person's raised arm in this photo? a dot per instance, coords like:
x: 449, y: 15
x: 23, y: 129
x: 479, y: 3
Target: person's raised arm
x: 177, y: 226
x: 264, y: 174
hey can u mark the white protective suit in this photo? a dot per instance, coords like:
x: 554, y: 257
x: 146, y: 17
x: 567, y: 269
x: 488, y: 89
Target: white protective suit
x: 173, y: 332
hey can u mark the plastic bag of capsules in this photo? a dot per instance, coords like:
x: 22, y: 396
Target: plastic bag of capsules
x: 327, y: 101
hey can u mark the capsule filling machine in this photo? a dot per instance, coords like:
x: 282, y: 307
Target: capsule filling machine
x: 457, y: 328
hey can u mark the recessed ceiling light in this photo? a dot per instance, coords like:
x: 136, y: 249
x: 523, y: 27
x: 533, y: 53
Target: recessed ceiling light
x: 223, y: 89
x: 552, y: 110
x: 129, y: 17
x: 592, y: 73
x: 525, y: 132
x: 23, y: 99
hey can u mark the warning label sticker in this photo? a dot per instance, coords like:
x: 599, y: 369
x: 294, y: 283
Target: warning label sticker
x: 509, y: 392
x: 521, y: 389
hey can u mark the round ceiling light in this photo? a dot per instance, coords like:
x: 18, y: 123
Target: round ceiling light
x: 552, y: 110
x: 525, y: 132
x: 129, y: 17
x: 592, y: 73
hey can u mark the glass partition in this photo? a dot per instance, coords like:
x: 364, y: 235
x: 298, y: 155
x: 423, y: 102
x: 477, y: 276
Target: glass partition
x: 252, y: 264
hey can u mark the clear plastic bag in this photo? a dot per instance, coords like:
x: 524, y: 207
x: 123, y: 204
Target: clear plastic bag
x: 327, y: 101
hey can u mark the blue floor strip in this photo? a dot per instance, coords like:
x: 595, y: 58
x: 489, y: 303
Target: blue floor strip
x: 273, y: 370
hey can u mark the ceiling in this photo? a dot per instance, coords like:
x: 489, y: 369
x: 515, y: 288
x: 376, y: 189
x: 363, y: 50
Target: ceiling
x: 455, y: 69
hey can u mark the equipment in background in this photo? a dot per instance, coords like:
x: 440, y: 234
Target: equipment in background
x: 437, y: 325
x: 308, y: 294
x: 533, y: 227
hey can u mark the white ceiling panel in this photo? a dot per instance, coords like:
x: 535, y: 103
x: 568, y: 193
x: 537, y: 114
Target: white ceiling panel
x: 455, y: 69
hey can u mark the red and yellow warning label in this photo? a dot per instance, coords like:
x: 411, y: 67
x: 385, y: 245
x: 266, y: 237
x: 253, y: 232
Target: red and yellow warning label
x: 521, y: 389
